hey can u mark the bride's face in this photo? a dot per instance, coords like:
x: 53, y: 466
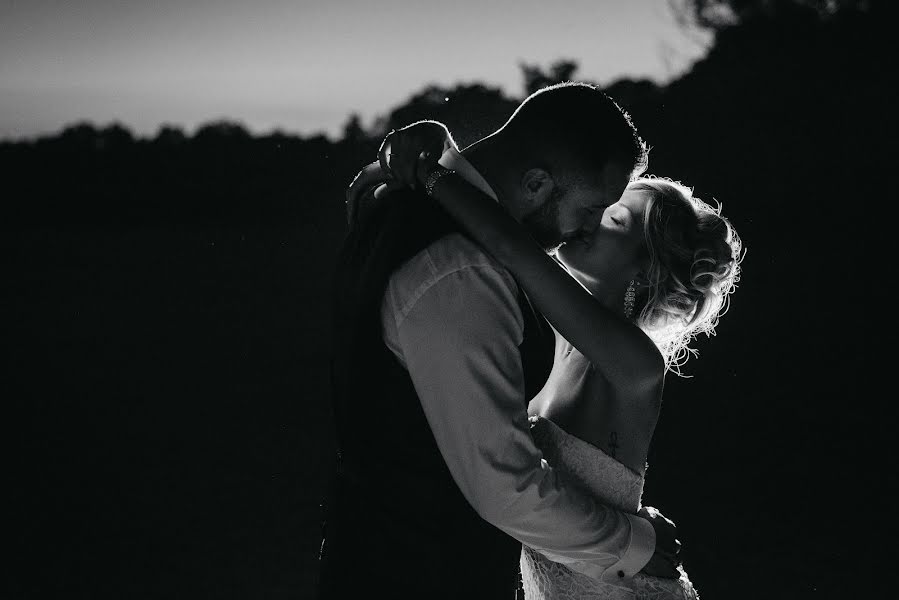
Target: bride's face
x: 615, y: 244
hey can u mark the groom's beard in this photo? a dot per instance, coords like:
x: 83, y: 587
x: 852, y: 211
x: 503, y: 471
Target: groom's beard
x: 543, y: 223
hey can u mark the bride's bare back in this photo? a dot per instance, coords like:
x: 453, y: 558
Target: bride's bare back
x: 617, y: 420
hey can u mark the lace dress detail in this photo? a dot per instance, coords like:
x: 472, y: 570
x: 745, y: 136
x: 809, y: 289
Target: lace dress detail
x: 614, y: 485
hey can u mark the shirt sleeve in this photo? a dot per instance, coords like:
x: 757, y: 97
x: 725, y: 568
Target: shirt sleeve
x: 458, y: 337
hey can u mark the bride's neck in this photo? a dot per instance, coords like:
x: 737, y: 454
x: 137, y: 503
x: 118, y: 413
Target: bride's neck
x: 609, y: 291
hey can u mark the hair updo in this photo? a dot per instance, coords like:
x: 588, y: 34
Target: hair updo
x: 694, y: 264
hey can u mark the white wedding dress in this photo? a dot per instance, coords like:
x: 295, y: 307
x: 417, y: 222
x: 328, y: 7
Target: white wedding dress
x: 615, y: 485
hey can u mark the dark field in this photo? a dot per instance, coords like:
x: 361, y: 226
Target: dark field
x: 171, y: 412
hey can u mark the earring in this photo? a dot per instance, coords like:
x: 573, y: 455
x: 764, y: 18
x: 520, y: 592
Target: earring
x: 629, y: 297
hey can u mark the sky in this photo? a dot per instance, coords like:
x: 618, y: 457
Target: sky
x: 303, y: 66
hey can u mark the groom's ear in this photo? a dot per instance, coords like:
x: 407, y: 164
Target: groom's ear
x: 537, y: 186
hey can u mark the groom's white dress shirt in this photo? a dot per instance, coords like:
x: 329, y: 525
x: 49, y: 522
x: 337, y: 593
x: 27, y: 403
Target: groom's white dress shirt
x: 452, y: 318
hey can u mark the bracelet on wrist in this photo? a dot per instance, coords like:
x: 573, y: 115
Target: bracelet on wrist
x: 435, y: 176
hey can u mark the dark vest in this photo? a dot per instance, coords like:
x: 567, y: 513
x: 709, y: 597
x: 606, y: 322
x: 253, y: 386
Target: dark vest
x: 396, y: 524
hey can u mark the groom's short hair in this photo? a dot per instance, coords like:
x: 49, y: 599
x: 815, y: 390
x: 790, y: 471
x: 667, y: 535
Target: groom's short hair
x: 576, y: 128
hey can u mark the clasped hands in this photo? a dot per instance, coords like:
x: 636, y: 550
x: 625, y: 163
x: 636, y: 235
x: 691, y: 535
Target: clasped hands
x: 665, y: 558
x: 405, y: 159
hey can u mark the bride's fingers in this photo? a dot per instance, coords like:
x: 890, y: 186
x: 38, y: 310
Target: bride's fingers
x: 408, y: 155
x: 426, y: 157
x: 402, y: 162
x: 365, y: 173
x: 408, y: 167
x: 385, y: 151
x: 368, y: 176
x: 388, y: 187
x: 427, y: 161
x: 362, y: 184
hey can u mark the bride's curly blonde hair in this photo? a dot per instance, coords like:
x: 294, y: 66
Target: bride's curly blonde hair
x: 694, y: 265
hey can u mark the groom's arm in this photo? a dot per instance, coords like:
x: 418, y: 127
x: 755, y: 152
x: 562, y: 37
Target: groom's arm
x: 457, y: 331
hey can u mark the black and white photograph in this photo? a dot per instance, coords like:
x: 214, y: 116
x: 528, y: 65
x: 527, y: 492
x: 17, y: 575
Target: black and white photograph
x: 518, y: 300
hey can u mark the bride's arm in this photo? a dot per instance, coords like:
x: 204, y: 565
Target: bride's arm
x: 619, y: 349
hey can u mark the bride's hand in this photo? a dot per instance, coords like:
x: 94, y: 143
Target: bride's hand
x: 362, y: 189
x: 411, y: 153
x: 405, y: 159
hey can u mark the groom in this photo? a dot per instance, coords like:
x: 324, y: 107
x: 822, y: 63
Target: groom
x: 436, y: 354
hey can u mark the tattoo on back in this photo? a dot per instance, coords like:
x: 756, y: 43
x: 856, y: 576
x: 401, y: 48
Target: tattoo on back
x: 613, y: 443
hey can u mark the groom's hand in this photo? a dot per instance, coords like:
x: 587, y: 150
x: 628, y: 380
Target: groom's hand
x: 666, y: 558
x: 409, y: 154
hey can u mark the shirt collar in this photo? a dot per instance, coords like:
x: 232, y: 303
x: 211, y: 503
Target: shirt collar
x: 453, y: 159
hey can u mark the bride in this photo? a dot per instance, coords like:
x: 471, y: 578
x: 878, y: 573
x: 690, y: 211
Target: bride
x: 624, y: 302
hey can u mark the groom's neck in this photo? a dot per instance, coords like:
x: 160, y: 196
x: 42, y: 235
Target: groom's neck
x: 490, y: 159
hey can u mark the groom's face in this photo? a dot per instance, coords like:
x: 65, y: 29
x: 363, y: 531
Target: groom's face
x: 574, y: 211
